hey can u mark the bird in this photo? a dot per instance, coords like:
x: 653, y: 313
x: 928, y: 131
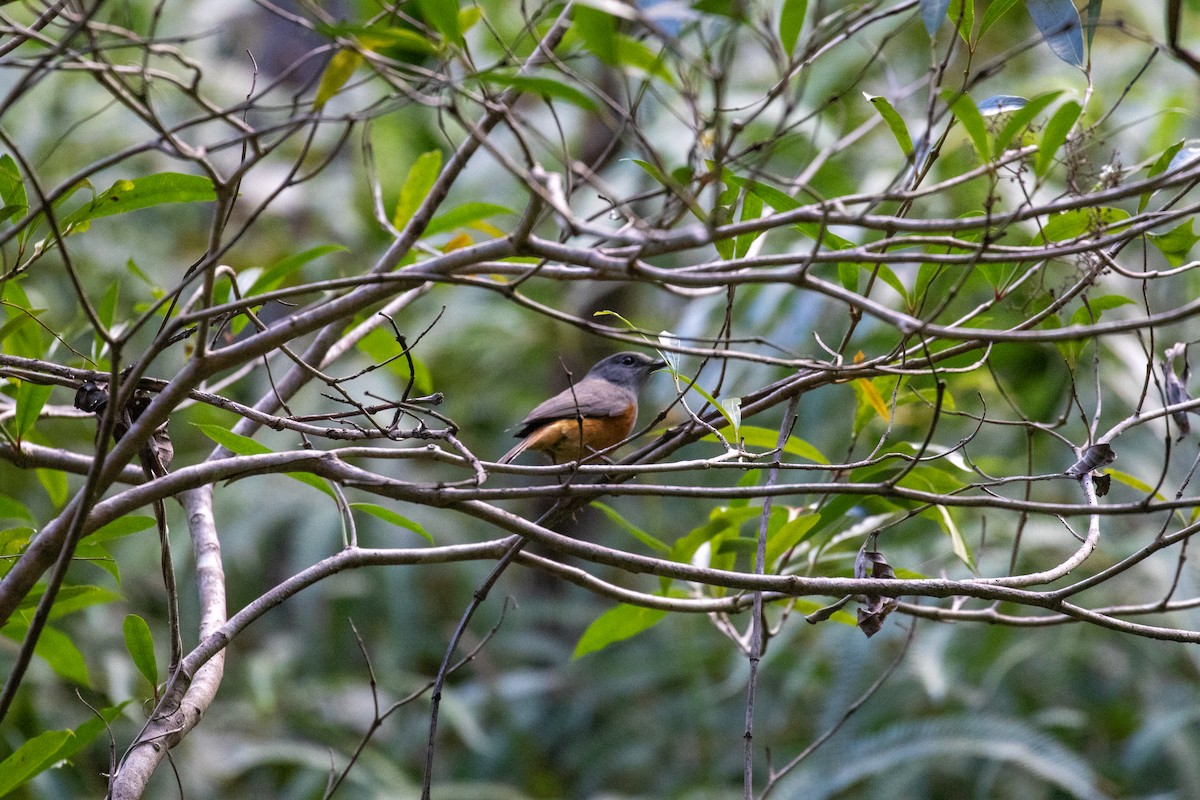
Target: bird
x: 589, y: 416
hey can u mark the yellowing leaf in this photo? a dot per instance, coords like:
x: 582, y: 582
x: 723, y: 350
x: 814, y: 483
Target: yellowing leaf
x: 337, y: 72
x: 874, y: 398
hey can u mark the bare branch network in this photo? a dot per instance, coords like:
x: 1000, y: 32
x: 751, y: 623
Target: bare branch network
x: 902, y: 333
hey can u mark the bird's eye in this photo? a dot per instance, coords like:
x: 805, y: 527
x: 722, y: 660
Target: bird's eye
x: 627, y: 361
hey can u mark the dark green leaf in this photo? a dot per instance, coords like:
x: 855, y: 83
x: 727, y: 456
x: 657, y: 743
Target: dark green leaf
x: 995, y: 10
x: 12, y: 189
x: 968, y: 114
x: 1090, y: 312
x: 1021, y: 119
x: 31, y: 398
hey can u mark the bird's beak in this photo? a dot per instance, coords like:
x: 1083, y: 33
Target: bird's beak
x: 657, y: 365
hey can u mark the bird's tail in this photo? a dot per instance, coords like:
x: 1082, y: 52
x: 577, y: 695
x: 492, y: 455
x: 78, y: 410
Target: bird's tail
x: 520, y: 447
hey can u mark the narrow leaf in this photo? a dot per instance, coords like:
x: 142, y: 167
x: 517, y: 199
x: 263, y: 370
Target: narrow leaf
x: 337, y: 72
x: 972, y: 120
x: 1055, y: 135
x: 391, y: 517
x: 633, y: 530
x: 140, y: 644
x: 152, y: 190
x: 416, y: 186
x: 1021, y: 119
x: 894, y: 122
x: 615, y: 625
x: 31, y: 398
x: 31, y: 758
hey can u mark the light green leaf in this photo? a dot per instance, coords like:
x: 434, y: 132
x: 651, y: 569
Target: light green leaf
x: 615, y: 625
x: 11, y: 508
x: 55, y: 484
x: 123, y: 526
x: 967, y: 113
x: 391, y: 517
x: 1055, y: 135
x: 894, y: 122
x: 140, y: 644
x: 464, y: 215
x: 245, y: 446
x: 544, y: 86
x: 790, y: 534
x: 443, y: 16
x: 31, y: 758
x: 1090, y: 312
x: 1021, y: 118
x: 277, y: 273
x: 152, y: 190
x: 791, y: 22
x: 995, y: 10
x: 1176, y: 243
x: 957, y: 542
x: 339, y: 70
x: 12, y: 189
x: 416, y: 186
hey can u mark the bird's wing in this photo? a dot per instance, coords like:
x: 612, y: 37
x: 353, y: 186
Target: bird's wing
x: 591, y: 397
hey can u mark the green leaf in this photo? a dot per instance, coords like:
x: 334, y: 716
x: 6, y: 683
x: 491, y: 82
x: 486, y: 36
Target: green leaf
x: 966, y: 112
x: 995, y: 10
x: 464, y: 215
x: 1021, y: 118
x: 31, y: 398
x: 152, y: 190
x: 12, y: 189
x: 1055, y: 135
x: 383, y: 38
x: 339, y: 70
x: 11, y: 508
x: 443, y: 16
x: 1080, y: 221
x: 894, y: 122
x: 633, y: 530
x: 1090, y: 312
x: 245, y: 446
x: 416, y: 186
x: 615, y: 625
x: 791, y: 22
x: 1176, y: 243
x: 55, y: 648
x: 1158, y: 167
x: 790, y: 534
x: 752, y: 206
x: 123, y: 526
x: 543, y: 86
x: 766, y: 439
x: 31, y: 758
x: 140, y: 644
x: 957, y: 542
x: 55, y: 484
x: 598, y: 30
x: 274, y: 275
x: 962, y: 14
x: 391, y: 517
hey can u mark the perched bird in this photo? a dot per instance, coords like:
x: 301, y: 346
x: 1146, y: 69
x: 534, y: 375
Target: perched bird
x: 590, y: 416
